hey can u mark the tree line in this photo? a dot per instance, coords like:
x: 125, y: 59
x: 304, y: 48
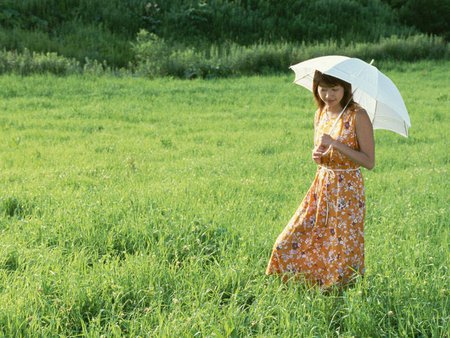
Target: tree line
x: 105, y: 29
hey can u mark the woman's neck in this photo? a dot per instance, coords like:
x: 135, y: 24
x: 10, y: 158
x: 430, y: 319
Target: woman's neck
x: 333, y: 111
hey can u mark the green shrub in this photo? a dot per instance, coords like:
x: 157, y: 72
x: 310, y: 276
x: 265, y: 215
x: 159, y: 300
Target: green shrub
x: 74, y: 40
x: 429, y: 16
x: 412, y: 48
x: 27, y: 63
x: 95, y: 42
x: 151, y: 54
x: 20, y: 39
x: 155, y: 57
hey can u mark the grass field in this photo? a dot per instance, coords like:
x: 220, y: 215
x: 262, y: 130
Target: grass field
x: 133, y: 207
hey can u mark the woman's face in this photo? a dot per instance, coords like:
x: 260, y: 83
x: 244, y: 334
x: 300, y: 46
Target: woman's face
x: 331, y: 96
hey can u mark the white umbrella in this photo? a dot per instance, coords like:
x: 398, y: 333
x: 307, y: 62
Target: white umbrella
x: 373, y: 90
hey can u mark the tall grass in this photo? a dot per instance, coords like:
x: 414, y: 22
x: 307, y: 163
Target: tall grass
x: 27, y: 63
x: 135, y: 207
x: 154, y: 57
x: 79, y: 42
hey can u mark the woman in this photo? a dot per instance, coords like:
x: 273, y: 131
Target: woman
x: 324, y: 240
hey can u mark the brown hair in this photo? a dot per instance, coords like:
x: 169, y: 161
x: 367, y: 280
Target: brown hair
x: 325, y: 80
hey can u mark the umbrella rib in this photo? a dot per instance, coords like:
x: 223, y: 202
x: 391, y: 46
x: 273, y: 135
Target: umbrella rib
x: 374, y: 115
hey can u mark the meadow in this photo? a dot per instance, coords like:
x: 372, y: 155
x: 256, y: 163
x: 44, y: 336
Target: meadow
x: 148, y: 208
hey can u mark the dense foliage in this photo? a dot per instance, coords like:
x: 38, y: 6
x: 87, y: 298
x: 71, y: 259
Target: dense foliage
x: 430, y: 16
x: 156, y: 57
x: 103, y: 29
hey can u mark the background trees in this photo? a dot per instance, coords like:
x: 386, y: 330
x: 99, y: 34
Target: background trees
x: 103, y: 29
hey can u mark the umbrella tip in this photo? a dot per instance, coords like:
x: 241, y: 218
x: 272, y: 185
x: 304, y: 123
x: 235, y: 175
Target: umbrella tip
x: 371, y: 62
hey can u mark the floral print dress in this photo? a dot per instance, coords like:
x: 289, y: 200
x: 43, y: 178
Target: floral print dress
x: 323, y: 243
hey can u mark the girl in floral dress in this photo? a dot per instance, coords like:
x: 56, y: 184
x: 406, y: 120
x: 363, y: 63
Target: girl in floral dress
x: 323, y: 243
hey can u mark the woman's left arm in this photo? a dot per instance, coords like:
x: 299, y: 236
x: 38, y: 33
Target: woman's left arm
x: 365, y: 156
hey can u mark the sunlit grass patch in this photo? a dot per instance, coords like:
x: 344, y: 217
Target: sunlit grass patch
x: 132, y: 207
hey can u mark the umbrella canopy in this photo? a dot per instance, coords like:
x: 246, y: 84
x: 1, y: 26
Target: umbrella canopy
x: 373, y: 90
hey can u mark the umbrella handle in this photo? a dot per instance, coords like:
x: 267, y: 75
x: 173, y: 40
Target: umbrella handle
x: 339, y: 116
x: 335, y: 123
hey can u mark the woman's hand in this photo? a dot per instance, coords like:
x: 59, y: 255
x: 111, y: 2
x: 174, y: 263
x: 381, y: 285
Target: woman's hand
x: 365, y: 155
x: 317, y: 154
x: 326, y: 140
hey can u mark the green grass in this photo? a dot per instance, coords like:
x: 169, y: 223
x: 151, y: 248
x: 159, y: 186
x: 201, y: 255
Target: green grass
x: 133, y: 207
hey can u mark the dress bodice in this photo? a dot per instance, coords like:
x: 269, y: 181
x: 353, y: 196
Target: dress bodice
x: 344, y: 131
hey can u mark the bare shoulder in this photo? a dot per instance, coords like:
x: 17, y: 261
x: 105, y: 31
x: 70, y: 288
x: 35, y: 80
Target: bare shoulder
x: 364, y: 128
x: 361, y: 116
